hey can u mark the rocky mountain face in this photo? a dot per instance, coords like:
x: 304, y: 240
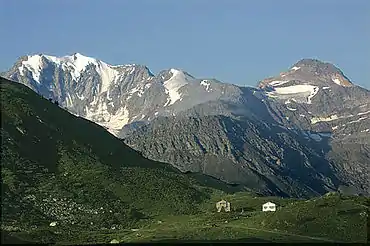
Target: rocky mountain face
x: 317, y: 97
x: 301, y: 133
x: 267, y: 158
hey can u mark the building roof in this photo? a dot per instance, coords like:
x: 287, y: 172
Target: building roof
x: 270, y: 203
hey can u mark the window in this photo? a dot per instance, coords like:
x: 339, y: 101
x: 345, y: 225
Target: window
x: 265, y: 207
x: 272, y: 207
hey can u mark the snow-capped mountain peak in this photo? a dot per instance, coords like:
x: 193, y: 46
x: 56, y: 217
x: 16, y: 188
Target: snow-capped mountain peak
x: 174, y: 84
x: 75, y: 63
x: 116, y: 96
x: 34, y: 65
x: 110, y: 95
x: 303, y: 81
x: 309, y: 71
x: 323, y: 70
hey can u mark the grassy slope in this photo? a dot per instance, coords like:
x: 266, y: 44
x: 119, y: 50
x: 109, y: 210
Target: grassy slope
x: 58, y: 167
x: 78, y: 173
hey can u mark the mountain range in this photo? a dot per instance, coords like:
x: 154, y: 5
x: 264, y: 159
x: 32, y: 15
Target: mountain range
x: 301, y: 133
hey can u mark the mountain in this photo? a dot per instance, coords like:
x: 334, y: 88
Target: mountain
x: 317, y: 96
x: 67, y: 180
x: 61, y: 170
x: 269, y: 159
x: 114, y: 96
x: 301, y: 133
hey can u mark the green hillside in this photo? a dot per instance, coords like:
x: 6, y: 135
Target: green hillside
x: 67, y: 180
x: 59, y: 167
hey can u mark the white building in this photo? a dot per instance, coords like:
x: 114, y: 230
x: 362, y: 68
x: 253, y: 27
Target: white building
x: 269, y: 206
x: 223, y: 204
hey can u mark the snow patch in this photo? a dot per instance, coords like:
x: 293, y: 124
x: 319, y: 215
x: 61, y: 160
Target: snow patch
x: 294, y: 89
x: 326, y: 87
x: 334, y: 127
x: 302, y: 115
x: 94, y: 101
x: 206, y: 84
x: 80, y: 97
x: 174, y: 84
x: 362, y: 113
x: 295, y: 68
x: 315, y: 120
x: 98, y: 88
x: 358, y: 120
x: 34, y: 65
x: 366, y: 130
x: 140, y: 91
x: 167, y: 102
x: 75, y: 64
x: 291, y: 109
x: 278, y: 82
x: 313, y: 93
x: 132, y: 70
x: 108, y: 75
x: 113, y: 122
x: 108, y: 97
x: 125, y: 65
x: 69, y: 100
x: 337, y: 81
x: 20, y: 69
x: 297, y: 89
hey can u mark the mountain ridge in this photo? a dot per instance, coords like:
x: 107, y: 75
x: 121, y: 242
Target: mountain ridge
x: 313, y: 101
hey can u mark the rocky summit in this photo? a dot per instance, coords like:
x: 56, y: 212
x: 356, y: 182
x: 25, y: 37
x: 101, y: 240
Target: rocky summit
x: 301, y: 133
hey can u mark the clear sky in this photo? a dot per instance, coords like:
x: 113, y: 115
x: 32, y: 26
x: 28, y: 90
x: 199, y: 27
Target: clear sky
x: 235, y: 41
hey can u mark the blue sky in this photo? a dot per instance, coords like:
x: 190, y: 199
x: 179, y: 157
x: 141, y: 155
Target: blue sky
x: 235, y: 41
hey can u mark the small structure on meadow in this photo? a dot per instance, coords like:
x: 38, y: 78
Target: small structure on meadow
x: 269, y: 206
x: 54, y: 223
x: 114, y: 241
x: 223, y: 204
